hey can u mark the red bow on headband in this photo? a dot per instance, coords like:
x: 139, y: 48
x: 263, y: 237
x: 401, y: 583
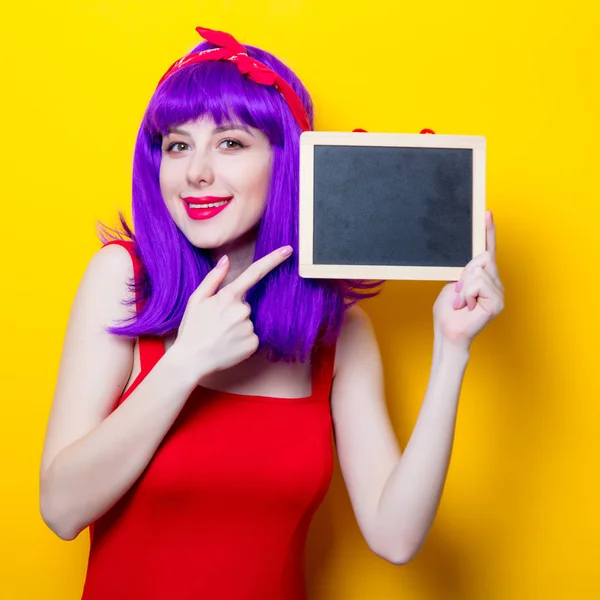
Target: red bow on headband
x: 231, y: 50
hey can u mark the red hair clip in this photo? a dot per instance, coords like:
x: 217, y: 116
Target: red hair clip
x: 231, y: 50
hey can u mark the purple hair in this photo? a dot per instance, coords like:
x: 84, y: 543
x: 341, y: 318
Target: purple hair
x: 291, y: 315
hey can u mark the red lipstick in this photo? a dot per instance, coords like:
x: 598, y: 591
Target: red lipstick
x: 206, y: 207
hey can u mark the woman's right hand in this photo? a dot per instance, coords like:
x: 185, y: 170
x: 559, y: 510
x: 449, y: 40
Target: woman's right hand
x: 216, y: 331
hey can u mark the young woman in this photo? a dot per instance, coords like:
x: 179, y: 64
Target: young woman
x: 192, y: 420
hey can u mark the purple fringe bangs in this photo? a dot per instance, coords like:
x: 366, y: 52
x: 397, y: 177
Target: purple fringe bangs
x: 291, y: 315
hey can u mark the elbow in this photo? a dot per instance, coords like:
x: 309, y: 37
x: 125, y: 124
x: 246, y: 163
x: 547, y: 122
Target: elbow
x: 398, y: 552
x: 56, y: 516
x: 397, y: 556
x: 64, y: 534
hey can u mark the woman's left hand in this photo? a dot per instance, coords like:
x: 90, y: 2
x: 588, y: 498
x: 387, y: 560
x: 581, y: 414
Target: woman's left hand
x: 464, y: 308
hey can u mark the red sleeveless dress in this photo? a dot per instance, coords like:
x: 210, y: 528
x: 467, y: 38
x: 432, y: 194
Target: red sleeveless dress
x: 223, y: 509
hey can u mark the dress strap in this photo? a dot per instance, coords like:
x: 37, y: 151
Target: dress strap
x: 151, y: 348
x: 322, y: 375
x: 137, y: 266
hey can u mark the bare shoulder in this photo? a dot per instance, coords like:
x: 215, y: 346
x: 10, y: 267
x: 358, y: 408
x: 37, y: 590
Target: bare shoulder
x: 105, y: 285
x: 113, y: 255
x: 356, y: 318
x: 356, y: 337
x: 95, y: 364
x: 355, y: 328
x: 110, y: 263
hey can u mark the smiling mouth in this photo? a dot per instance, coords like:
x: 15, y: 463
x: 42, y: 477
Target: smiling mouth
x: 207, y: 201
x: 209, y: 204
x: 206, y: 207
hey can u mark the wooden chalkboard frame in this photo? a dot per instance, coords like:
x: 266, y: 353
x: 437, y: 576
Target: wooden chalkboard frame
x: 310, y: 139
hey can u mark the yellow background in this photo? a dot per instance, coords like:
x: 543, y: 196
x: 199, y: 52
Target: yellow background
x: 519, y: 518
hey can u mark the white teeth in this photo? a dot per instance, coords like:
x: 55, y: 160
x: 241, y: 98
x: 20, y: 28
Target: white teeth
x: 213, y: 205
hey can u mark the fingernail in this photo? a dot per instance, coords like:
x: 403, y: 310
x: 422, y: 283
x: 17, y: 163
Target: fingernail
x: 456, y: 302
x: 286, y: 251
x: 458, y: 286
x: 222, y: 261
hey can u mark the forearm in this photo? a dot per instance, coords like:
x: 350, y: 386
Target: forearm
x: 412, y: 493
x: 88, y: 477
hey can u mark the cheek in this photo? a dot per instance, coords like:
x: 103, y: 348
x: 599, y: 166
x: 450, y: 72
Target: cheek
x: 168, y: 180
x: 163, y: 179
x: 260, y: 183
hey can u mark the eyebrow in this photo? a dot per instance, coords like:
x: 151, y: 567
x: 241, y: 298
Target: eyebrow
x: 221, y: 129
x: 231, y: 126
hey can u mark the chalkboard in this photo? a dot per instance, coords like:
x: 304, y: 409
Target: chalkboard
x: 390, y: 206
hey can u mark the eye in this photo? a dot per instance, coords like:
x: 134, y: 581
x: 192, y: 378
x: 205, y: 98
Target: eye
x: 231, y: 144
x: 178, y: 147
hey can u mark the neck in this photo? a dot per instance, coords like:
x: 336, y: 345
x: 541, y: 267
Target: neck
x: 240, y: 253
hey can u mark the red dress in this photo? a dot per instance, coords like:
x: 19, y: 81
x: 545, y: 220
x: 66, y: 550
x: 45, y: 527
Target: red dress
x: 222, y: 510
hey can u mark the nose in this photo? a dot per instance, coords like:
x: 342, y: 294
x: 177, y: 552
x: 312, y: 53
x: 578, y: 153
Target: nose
x: 199, y: 169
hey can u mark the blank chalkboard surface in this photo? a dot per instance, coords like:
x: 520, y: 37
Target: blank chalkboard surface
x: 390, y: 206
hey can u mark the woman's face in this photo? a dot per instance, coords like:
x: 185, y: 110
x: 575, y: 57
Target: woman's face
x: 215, y: 180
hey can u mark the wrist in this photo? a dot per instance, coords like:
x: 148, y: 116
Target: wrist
x: 448, y: 350
x: 186, y: 367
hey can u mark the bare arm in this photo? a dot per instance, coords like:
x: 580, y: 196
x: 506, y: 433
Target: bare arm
x: 395, y: 498
x: 92, y: 456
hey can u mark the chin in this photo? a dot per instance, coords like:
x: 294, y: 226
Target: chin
x: 214, y: 238
x: 209, y: 242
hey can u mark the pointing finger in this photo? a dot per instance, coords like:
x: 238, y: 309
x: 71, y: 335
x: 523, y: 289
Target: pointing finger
x: 210, y: 284
x: 257, y: 270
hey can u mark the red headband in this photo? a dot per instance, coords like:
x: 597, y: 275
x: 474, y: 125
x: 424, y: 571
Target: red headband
x: 230, y: 49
